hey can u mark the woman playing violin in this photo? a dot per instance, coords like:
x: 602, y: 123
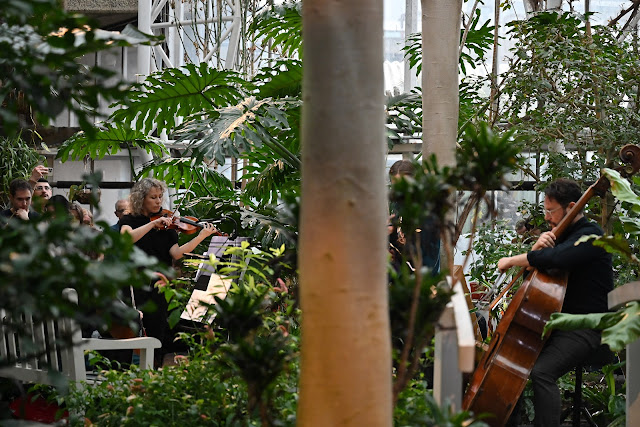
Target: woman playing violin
x: 156, y: 239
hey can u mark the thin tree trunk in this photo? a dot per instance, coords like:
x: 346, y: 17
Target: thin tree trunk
x: 346, y: 352
x: 440, y: 40
x: 440, y: 44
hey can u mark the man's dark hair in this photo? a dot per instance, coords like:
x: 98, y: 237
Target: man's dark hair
x: 563, y: 191
x: 43, y: 180
x: 17, y: 185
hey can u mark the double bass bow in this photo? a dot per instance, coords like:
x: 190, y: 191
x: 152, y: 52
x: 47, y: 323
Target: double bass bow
x: 504, y: 368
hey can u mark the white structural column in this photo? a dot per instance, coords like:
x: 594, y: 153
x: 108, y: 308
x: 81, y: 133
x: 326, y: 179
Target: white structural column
x: 195, y: 31
x: 410, y: 27
x: 144, y: 25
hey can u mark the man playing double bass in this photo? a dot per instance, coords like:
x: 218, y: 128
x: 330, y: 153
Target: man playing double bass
x: 590, y: 280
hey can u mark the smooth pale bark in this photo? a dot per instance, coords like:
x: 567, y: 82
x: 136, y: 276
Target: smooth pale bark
x: 346, y: 354
x: 440, y: 40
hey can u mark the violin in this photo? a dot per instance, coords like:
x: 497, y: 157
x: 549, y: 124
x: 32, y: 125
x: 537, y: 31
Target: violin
x: 182, y: 224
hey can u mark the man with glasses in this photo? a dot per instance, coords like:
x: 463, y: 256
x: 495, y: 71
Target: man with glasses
x: 122, y: 208
x: 590, y: 280
x: 42, y: 191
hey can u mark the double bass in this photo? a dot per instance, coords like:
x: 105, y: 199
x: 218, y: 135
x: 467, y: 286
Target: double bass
x: 503, y: 370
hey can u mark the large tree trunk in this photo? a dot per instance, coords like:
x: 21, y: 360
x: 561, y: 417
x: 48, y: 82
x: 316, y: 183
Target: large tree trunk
x: 440, y: 40
x: 346, y: 355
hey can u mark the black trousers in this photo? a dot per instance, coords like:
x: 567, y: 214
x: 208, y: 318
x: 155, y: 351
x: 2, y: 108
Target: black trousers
x: 560, y: 354
x: 155, y: 317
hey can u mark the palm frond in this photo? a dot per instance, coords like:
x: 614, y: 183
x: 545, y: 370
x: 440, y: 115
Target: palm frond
x: 267, y: 182
x: 282, y: 25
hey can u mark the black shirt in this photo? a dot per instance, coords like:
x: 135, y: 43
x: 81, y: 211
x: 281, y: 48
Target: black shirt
x: 8, y: 213
x: 590, y: 268
x: 156, y: 242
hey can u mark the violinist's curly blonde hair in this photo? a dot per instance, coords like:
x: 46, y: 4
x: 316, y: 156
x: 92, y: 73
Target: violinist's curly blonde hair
x: 140, y: 191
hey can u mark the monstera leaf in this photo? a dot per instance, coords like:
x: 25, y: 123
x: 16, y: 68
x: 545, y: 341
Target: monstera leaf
x: 284, y: 79
x: 618, y: 329
x: 236, y: 129
x: 179, y: 92
x: 109, y: 139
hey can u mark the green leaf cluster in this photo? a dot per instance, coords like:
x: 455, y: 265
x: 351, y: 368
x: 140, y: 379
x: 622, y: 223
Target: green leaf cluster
x: 42, y: 257
x: 17, y: 159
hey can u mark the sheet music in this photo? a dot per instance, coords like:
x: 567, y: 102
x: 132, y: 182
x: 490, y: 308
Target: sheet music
x: 196, y: 311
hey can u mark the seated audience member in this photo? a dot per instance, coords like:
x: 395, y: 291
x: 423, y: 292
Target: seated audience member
x: 41, y: 194
x: 20, y: 199
x: 87, y: 217
x: 58, y: 203
x: 76, y: 212
x: 122, y: 208
x: 527, y: 231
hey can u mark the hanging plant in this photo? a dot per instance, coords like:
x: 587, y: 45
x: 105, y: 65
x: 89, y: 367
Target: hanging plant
x: 82, y: 193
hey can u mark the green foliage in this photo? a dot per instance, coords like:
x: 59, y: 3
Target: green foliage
x: 17, y: 159
x: 434, y: 295
x: 241, y: 371
x: 40, y: 50
x: 40, y: 258
x: 571, y: 86
x: 187, y: 173
x: 492, y: 241
x: 478, y: 41
x: 404, y: 115
x: 417, y: 407
x: 275, y: 226
x: 197, y: 392
x: 281, y: 26
x: 237, y: 128
x: 108, y: 140
x: 282, y: 80
x: 485, y: 157
x: 178, y: 92
x: 618, y: 328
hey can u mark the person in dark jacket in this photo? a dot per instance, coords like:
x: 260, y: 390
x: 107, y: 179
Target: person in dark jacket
x: 590, y: 279
x: 20, y: 193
